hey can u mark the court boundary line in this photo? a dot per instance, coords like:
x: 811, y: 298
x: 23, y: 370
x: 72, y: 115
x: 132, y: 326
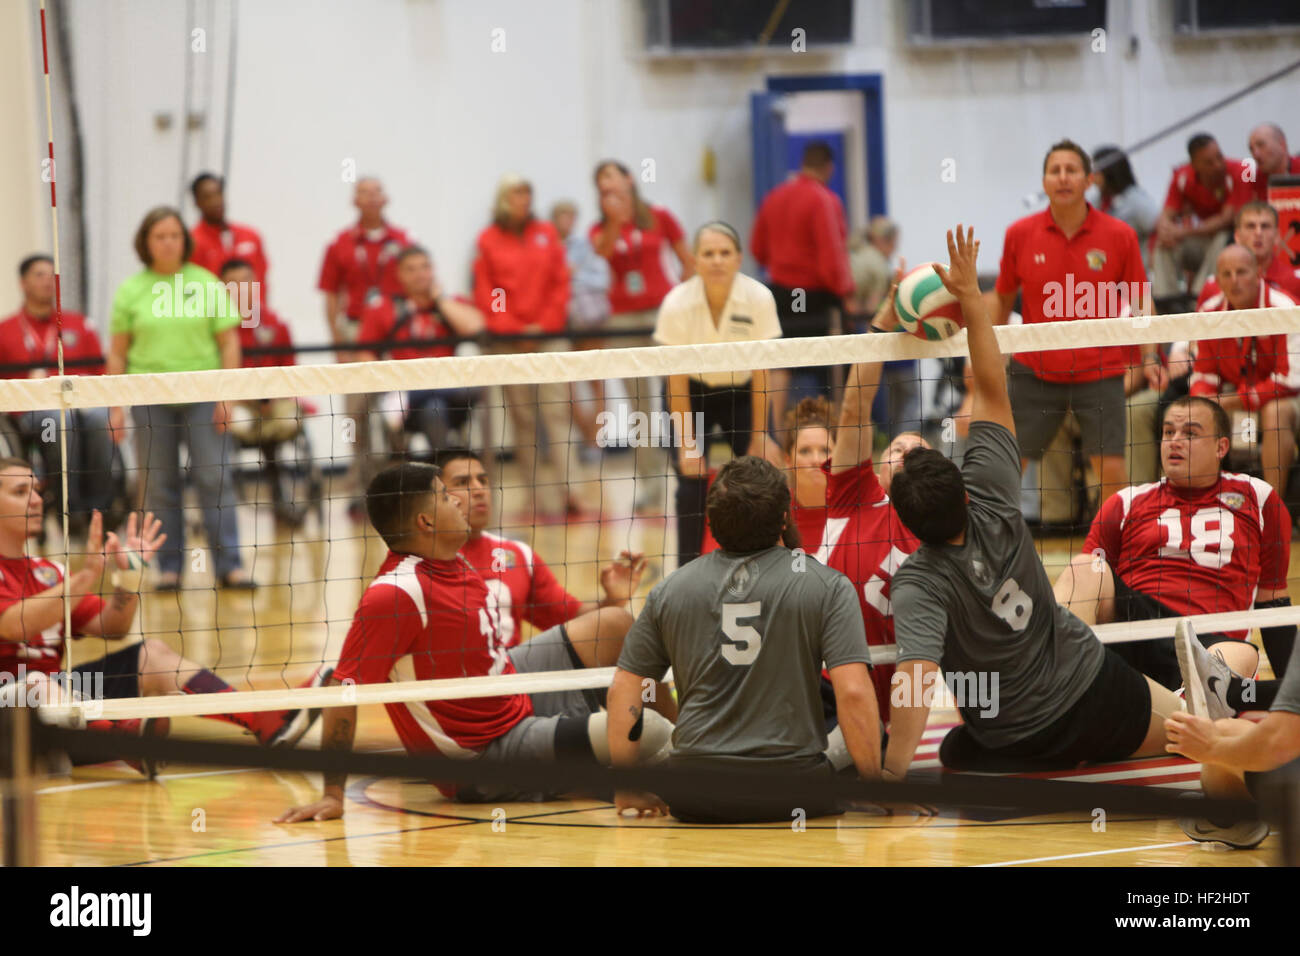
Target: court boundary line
x: 1075, y: 856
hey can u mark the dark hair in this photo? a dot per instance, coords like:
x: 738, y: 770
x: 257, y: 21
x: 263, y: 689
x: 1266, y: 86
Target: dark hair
x: 1222, y: 423
x: 929, y: 496
x: 154, y: 216
x: 1071, y: 146
x: 25, y: 266
x: 411, y: 251
x: 200, y: 179
x: 394, y: 495
x: 13, y: 462
x: 1255, y: 205
x: 1116, y: 173
x: 1197, y: 143
x: 231, y: 264
x: 748, y: 505
x: 817, y: 155
x: 812, y: 412
x: 642, y: 216
x: 446, y: 456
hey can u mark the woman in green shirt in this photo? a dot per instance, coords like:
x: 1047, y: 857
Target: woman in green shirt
x: 175, y: 316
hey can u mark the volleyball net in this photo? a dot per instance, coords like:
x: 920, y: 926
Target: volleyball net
x: 291, y: 489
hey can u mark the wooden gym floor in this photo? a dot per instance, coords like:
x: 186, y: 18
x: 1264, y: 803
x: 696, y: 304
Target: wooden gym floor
x: 195, y: 815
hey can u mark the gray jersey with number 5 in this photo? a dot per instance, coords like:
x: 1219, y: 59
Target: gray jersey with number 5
x: 745, y: 636
x: 986, y: 607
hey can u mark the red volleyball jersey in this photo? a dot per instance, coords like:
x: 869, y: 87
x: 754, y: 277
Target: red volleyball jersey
x: 865, y: 540
x: 22, y: 578
x: 1197, y: 551
x: 524, y: 587
x: 214, y: 246
x: 426, y: 620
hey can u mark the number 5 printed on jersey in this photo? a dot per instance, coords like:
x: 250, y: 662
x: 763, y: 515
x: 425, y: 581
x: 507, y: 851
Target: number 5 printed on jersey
x: 743, y: 641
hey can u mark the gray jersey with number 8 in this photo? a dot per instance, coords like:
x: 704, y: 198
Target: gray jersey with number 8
x: 986, y: 607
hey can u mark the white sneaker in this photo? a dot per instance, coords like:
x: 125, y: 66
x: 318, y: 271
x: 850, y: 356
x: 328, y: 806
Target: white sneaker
x: 1205, y: 676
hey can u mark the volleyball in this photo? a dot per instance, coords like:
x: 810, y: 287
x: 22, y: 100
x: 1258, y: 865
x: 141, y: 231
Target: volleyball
x: 925, y: 308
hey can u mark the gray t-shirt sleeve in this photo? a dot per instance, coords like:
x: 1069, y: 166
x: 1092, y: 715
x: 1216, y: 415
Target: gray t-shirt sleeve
x: 920, y: 622
x: 643, y: 651
x: 1288, y: 695
x: 844, y: 641
x: 991, y: 466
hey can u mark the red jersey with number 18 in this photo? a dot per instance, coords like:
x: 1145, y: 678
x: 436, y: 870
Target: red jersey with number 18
x: 425, y: 620
x: 1197, y: 551
x: 865, y: 540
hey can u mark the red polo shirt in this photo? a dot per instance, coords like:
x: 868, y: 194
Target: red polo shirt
x: 638, y: 278
x: 363, y: 263
x: 801, y: 238
x: 1280, y: 273
x: 214, y: 246
x: 1188, y: 194
x: 1095, y: 274
x: 269, y: 331
x: 27, y: 339
x: 1259, y: 188
x: 522, y: 279
x: 379, y: 321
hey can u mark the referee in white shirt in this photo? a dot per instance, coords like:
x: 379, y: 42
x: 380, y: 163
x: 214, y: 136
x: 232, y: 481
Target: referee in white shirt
x: 717, y: 304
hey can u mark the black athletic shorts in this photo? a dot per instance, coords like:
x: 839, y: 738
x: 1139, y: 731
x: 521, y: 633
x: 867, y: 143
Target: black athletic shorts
x: 1157, y: 659
x: 120, y: 670
x: 1109, y: 722
x: 690, y: 804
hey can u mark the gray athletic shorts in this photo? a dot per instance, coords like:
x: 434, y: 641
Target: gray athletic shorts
x: 558, y: 717
x: 1039, y: 408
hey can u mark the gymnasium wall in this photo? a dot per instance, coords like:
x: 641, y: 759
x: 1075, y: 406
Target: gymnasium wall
x: 412, y: 90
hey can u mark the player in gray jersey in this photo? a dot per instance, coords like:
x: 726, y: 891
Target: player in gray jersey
x: 746, y: 630
x: 1035, y: 687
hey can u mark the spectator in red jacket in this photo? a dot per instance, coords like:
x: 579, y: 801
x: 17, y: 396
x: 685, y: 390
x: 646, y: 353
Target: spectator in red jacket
x: 1195, y: 224
x: 521, y: 285
x: 359, y: 268
x: 1272, y: 158
x: 635, y: 237
x: 30, y: 337
x: 800, y: 237
x: 1257, y: 373
x: 422, y: 311
x: 216, y: 241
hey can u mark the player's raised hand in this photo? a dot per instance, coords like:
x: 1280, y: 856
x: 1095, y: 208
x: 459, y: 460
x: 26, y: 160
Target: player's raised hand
x: 95, y: 556
x: 620, y: 579
x: 144, y: 537
x: 641, y: 804
x: 961, y: 278
x: 886, y: 317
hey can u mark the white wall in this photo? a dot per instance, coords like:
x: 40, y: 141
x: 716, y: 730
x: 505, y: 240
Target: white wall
x: 411, y: 90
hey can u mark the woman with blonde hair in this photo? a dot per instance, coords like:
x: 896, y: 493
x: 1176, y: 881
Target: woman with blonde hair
x: 639, y: 241
x: 521, y: 285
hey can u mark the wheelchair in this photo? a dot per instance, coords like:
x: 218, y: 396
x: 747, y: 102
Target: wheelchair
x: 274, y: 429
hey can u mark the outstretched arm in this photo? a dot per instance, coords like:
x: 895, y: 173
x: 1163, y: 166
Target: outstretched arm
x: 990, y: 401
x: 854, y: 434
